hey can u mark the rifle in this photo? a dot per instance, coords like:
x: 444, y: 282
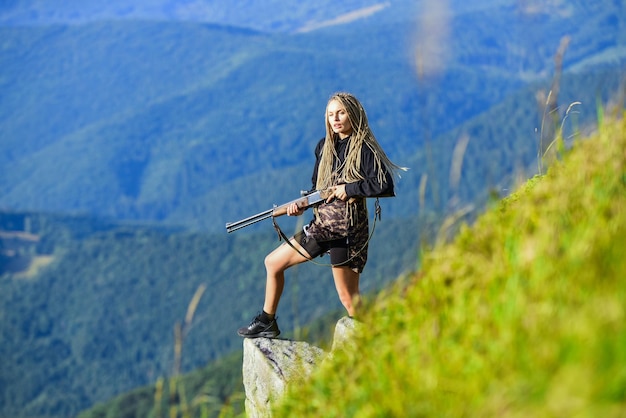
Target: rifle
x: 308, y: 199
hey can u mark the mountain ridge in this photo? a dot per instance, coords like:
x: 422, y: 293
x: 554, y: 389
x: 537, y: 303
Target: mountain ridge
x: 148, y: 123
x: 146, y: 100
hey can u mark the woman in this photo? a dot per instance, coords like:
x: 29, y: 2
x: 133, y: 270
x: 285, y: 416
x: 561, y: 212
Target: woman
x: 352, y: 166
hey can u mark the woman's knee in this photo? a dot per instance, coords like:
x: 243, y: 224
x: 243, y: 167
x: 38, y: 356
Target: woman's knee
x: 276, y: 261
x: 271, y: 262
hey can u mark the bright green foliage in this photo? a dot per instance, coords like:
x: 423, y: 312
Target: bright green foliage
x: 522, y: 315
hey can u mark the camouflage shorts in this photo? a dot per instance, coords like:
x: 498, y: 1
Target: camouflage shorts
x: 355, y: 234
x: 358, y: 237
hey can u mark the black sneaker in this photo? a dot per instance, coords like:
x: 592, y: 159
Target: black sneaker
x: 258, y: 328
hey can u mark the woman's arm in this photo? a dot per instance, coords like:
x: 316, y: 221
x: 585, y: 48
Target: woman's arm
x: 370, y: 186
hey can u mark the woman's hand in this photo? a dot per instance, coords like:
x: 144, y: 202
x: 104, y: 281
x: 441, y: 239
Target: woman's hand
x: 338, y: 192
x: 294, y: 210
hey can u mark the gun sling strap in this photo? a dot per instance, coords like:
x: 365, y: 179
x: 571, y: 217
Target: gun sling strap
x: 281, y: 235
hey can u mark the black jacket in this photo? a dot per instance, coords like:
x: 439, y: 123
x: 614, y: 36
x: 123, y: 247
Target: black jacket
x: 369, y: 186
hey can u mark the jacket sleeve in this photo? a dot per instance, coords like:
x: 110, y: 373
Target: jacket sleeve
x: 369, y: 186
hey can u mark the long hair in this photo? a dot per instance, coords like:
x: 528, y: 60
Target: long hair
x: 361, y: 134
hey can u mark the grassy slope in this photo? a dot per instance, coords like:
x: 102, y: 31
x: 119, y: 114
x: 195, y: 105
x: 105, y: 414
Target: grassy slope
x: 522, y: 315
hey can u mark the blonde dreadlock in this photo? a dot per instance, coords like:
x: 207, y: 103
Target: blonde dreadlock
x: 361, y: 134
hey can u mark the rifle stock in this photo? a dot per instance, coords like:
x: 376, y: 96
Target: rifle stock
x: 306, y: 201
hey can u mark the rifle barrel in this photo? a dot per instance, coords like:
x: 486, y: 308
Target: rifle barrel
x: 230, y: 227
x: 307, y: 200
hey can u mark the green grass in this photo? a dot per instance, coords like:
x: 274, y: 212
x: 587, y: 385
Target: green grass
x: 523, y: 314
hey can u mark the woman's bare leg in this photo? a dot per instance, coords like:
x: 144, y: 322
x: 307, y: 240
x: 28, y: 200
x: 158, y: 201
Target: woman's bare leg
x: 347, y: 284
x: 276, y: 263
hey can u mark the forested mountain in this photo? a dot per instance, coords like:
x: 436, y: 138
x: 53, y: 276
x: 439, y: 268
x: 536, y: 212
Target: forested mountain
x: 131, y: 133
x: 191, y: 123
x: 89, y: 307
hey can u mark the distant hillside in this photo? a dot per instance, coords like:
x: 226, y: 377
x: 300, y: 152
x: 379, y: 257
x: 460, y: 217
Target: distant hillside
x: 268, y: 16
x: 89, y: 307
x: 191, y: 123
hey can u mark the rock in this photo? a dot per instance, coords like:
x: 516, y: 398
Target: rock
x: 345, y: 330
x: 270, y: 364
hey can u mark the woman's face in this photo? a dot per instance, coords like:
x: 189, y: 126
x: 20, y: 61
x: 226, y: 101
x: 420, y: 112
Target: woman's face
x: 338, y: 119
